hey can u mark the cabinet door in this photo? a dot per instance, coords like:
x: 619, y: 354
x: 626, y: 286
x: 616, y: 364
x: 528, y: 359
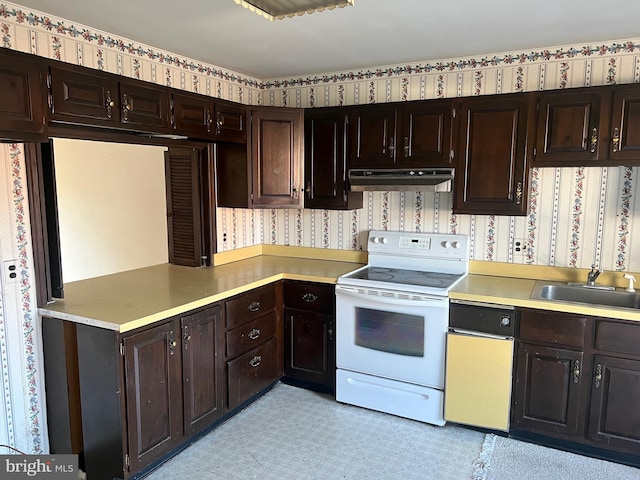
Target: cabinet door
x: 547, y: 390
x: 310, y: 353
x: 192, y: 115
x: 424, y: 134
x: 202, y: 369
x: 145, y: 106
x: 572, y: 127
x: 325, y: 161
x: 184, y: 219
x: 624, y: 144
x: 615, y: 395
x: 22, y: 99
x: 372, y: 136
x: 230, y: 122
x: 491, y: 175
x: 276, y: 150
x: 153, y: 393
x: 87, y: 97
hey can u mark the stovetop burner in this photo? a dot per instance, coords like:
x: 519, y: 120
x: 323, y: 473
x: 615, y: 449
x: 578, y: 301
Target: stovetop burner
x: 405, y: 277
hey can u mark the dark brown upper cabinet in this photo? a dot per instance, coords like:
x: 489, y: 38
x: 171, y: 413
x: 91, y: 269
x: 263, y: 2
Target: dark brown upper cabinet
x: 22, y: 102
x: 198, y: 116
x: 325, y: 169
x: 491, y: 169
x: 424, y: 138
x: 624, y: 140
x: 145, y: 106
x: 403, y: 135
x: 82, y: 96
x: 572, y: 127
x: 372, y: 133
x: 277, y: 140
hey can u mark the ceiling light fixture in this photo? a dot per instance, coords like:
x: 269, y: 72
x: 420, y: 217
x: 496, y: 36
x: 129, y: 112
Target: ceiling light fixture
x: 279, y: 9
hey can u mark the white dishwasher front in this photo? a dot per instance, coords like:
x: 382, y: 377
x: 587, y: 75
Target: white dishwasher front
x: 479, y: 363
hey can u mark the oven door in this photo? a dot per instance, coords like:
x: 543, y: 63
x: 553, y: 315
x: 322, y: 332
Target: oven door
x: 394, y: 335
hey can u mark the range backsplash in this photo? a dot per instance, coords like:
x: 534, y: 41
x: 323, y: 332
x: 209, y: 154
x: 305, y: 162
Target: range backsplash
x: 578, y: 217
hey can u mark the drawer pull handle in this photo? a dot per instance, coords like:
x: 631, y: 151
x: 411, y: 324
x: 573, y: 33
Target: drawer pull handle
x: 253, y: 334
x: 254, y: 306
x: 255, y: 361
x: 309, y: 297
x: 598, y: 375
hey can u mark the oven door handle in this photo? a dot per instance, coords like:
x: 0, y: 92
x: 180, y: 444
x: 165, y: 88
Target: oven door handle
x: 422, y: 300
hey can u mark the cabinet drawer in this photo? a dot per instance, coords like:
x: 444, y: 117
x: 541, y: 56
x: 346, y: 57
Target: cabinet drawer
x: 249, y: 306
x: 618, y: 337
x: 248, y: 335
x: 251, y: 373
x: 309, y: 296
x: 552, y: 327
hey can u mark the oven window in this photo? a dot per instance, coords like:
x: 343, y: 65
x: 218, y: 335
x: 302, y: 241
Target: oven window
x: 390, y: 332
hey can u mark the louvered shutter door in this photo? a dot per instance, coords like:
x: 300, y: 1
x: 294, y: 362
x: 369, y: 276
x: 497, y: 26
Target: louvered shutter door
x: 184, y: 219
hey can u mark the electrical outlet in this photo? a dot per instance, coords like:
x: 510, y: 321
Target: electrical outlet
x: 9, y: 271
x: 519, y: 249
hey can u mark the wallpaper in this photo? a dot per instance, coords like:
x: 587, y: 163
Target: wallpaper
x: 577, y: 216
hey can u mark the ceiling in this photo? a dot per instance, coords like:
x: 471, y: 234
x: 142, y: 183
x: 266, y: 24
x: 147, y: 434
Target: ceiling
x: 369, y: 34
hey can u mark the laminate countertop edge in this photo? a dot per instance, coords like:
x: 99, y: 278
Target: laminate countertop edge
x: 129, y: 300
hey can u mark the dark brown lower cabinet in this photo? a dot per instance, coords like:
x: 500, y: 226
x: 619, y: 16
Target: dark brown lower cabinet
x: 153, y: 390
x: 309, y: 332
x: 202, y: 369
x: 310, y: 347
x: 615, y: 396
x: 141, y: 394
x: 252, y: 372
x: 547, y: 395
x: 173, y: 381
x: 577, y: 384
x: 253, y: 341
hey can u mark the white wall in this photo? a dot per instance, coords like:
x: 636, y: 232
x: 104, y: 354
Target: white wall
x: 111, y: 207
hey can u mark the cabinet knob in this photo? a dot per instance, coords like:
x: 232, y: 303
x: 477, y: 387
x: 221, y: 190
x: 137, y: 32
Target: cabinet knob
x: 615, y: 140
x: 219, y: 123
x: 576, y: 371
x: 109, y: 104
x: 598, y: 376
x: 126, y: 107
x: 519, y: 193
x: 594, y: 140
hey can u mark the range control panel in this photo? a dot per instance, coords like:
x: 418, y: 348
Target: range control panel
x: 418, y: 244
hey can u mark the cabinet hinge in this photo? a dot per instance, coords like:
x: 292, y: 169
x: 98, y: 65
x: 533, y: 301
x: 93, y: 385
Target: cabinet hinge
x: 452, y: 154
x: 535, y: 152
x: 50, y: 101
x: 49, y: 81
x: 122, y: 348
x: 453, y: 113
x: 127, y: 462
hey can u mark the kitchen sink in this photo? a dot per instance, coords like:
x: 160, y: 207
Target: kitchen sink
x: 585, y: 294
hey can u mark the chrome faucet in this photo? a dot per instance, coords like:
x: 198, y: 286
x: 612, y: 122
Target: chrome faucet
x: 592, y: 275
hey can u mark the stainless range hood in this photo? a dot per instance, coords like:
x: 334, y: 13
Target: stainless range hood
x: 416, y: 179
